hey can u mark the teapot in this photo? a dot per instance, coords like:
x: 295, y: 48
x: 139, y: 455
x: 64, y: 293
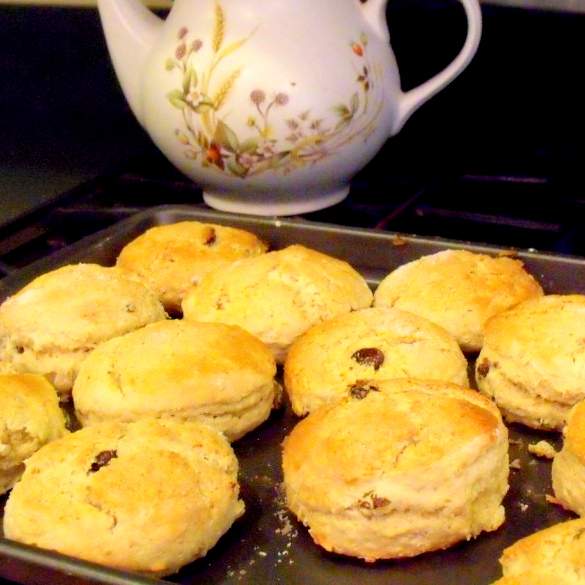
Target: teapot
x: 272, y: 107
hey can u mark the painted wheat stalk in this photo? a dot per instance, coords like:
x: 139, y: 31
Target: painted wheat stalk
x: 219, y: 29
x: 224, y: 89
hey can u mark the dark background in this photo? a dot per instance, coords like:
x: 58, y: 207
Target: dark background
x: 517, y: 109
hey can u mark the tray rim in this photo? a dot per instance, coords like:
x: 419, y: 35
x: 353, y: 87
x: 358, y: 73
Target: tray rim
x: 75, y: 567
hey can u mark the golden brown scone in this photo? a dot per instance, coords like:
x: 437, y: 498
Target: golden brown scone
x: 172, y: 258
x: 533, y: 360
x: 149, y: 496
x: 30, y: 417
x: 375, y: 344
x: 215, y: 373
x: 554, y: 556
x: 51, y: 325
x: 279, y: 295
x: 459, y: 290
x: 568, y: 469
x: 398, y: 469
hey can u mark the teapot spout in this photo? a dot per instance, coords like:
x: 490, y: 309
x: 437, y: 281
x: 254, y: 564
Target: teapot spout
x: 131, y: 30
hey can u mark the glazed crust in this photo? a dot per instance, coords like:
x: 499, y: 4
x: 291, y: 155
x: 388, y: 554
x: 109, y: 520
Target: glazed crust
x: 279, y: 295
x: 51, y: 325
x: 30, y: 417
x: 459, y: 290
x: 409, y: 467
x: 554, y: 556
x: 375, y: 344
x: 532, y: 363
x: 148, y: 496
x: 173, y: 258
x: 568, y: 470
x: 211, y: 372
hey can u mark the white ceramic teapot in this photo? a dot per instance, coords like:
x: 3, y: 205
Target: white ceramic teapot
x: 270, y: 106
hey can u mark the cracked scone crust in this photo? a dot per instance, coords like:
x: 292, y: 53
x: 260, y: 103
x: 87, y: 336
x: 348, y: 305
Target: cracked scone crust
x: 404, y: 468
x: 533, y: 360
x: 30, y: 417
x: 50, y: 325
x: 459, y: 290
x: 215, y: 373
x: 373, y: 344
x: 568, y: 468
x: 553, y: 556
x: 279, y: 295
x: 173, y: 258
x: 149, y: 496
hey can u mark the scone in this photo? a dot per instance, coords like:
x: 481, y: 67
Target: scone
x: 215, y: 373
x: 397, y: 469
x: 51, y: 325
x: 553, y: 556
x: 374, y: 344
x: 279, y: 295
x: 30, y: 417
x: 149, y: 496
x: 568, y: 468
x: 533, y: 360
x: 172, y: 258
x: 459, y: 290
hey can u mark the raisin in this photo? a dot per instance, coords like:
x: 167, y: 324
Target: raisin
x: 211, y: 238
x: 369, y: 356
x: 102, y: 459
x: 361, y: 389
x: 371, y: 501
x: 483, y: 368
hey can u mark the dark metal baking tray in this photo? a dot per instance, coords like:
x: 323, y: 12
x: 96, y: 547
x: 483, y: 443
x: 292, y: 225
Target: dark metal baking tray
x: 267, y: 545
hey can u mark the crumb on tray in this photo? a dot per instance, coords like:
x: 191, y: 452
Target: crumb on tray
x: 542, y: 449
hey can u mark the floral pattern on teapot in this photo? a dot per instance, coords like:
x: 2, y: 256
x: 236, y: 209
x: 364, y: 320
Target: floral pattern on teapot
x: 206, y: 136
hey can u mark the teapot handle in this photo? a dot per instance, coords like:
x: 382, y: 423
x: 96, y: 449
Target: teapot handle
x: 411, y: 100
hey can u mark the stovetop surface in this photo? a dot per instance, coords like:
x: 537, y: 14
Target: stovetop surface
x: 509, y: 210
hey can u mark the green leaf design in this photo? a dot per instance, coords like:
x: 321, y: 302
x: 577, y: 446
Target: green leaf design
x: 237, y: 169
x: 203, y: 107
x: 177, y: 99
x: 249, y: 145
x: 342, y: 111
x: 226, y: 137
x: 189, y: 80
x: 169, y: 64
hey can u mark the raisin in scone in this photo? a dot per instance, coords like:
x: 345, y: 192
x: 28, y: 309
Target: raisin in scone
x: 149, y: 496
x: 375, y: 344
x: 173, y: 258
x: 533, y: 360
x: 397, y: 469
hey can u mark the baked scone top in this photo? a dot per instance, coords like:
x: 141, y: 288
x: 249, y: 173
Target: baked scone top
x: 29, y: 417
x: 172, y: 258
x: 147, y: 496
x: 77, y: 305
x: 553, y: 555
x: 173, y: 365
x: 541, y: 342
x: 385, y: 429
x: 374, y: 343
x: 279, y: 295
x: 574, y: 431
x: 458, y: 289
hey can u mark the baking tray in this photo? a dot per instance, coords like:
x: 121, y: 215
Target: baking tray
x: 267, y: 545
